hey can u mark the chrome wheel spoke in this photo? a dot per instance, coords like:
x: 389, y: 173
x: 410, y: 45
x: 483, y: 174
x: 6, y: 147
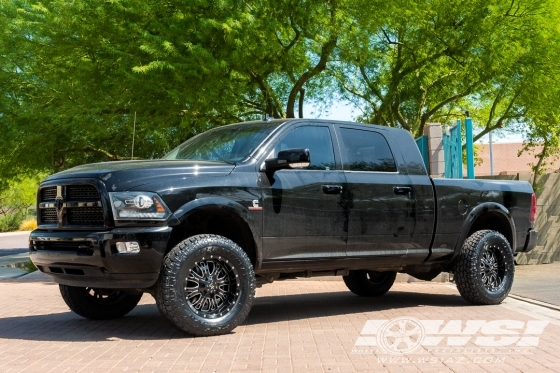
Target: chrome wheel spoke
x: 210, y: 288
x: 492, y: 268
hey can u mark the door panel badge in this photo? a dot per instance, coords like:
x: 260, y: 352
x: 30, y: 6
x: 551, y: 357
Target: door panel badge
x: 255, y: 206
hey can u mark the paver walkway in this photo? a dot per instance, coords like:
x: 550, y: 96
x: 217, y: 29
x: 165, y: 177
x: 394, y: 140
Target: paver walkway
x: 294, y: 326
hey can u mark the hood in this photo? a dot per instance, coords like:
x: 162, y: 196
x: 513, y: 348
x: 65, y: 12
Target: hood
x: 125, y: 175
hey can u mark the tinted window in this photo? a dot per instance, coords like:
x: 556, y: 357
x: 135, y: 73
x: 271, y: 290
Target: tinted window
x: 366, y: 151
x: 231, y: 143
x: 317, y: 140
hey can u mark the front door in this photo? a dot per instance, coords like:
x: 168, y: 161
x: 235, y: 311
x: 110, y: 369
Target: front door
x: 303, y: 209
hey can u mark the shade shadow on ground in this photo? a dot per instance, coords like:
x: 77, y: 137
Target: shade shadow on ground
x: 146, y: 323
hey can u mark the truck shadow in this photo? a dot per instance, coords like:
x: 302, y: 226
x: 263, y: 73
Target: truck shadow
x: 302, y: 306
x: 146, y: 323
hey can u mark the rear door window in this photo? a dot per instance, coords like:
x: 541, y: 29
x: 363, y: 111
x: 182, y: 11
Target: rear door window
x: 366, y: 151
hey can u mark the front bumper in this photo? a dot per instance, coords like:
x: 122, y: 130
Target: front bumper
x: 90, y: 259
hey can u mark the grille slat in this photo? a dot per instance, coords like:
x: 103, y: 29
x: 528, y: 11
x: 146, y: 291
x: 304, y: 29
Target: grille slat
x: 48, y: 194
x: 79, y: 192
x: 48, y: 216
x: 85, y: 216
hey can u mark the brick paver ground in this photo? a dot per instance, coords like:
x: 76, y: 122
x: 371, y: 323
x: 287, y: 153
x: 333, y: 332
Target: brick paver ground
x: 295, y: 326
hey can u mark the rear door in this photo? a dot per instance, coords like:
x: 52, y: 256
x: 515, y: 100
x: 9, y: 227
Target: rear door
x: 379, y: 196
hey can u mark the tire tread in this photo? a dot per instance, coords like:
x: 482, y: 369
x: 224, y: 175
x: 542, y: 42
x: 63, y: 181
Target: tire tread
x: 357, y: 282
x: 81, y: 305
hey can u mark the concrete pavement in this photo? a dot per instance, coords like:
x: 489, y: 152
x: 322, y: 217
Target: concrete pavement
x: 14, y: 243
x: 539, y: 282
x: 294, y: 326
x: 14, y: 253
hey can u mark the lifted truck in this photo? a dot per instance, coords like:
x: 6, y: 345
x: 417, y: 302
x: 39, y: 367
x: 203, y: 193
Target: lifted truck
x: 250, y: 203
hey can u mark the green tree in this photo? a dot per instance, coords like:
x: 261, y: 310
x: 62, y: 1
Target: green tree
x: 428, y: 61
x: 74, y: 75
x: 80, y: 71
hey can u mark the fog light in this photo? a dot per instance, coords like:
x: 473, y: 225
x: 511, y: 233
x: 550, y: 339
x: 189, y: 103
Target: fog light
x: 128, y: 247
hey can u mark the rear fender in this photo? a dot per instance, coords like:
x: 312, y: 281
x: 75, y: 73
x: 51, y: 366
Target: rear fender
x: 494, y: 211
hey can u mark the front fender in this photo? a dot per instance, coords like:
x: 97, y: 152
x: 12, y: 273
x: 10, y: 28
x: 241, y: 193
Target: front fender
x: 218, y: 202
x: 478, y: 212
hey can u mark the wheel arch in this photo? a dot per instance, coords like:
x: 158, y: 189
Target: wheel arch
x: 221, y: 216
x: 491, y: 216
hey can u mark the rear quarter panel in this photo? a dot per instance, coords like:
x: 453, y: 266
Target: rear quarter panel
x: 460, y: 202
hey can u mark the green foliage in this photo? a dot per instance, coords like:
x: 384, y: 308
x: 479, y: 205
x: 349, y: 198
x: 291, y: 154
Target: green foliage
x: 10, y: 222
x: 428, y: 61
x: 16, y: 199
x: 76, y: 74
x: 29, y: 266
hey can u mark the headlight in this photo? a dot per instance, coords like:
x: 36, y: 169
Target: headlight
x: 138, y: 206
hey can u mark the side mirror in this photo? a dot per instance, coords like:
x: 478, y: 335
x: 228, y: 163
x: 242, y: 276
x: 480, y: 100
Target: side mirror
x: 289, y: 158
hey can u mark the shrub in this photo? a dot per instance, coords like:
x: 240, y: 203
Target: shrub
x: 28, y: 224
x: 10, y: 222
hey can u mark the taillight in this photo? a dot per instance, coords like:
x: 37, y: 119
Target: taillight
x: 533, y: 208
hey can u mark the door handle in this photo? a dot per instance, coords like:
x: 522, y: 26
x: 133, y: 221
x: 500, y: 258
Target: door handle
x: 403, y: 190
x: 332, y: 189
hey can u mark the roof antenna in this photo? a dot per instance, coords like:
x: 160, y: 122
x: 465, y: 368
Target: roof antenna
x: 133, y: 135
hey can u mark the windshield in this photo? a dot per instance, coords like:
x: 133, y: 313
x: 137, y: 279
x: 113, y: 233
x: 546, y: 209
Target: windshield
x: 231, y: 143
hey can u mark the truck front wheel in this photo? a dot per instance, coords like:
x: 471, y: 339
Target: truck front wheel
x: 485, y: 267
x: 99, y: 304
x: 369, y: 283
x: 206, y: 285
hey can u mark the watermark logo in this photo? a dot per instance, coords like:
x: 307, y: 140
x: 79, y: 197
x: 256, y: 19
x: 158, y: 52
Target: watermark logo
x: 405, y: 335
x: 401, y: 335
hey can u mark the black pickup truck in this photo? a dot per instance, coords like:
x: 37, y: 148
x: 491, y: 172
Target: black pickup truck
x: 250, y: 203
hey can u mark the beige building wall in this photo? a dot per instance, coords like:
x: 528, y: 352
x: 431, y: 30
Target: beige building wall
x: 506, y: 160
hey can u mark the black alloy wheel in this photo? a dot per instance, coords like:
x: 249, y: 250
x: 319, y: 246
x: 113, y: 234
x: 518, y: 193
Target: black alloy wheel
x: 212, y: 287
x: 492, y: 268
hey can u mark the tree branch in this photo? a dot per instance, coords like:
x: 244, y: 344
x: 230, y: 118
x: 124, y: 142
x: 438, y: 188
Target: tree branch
x: 448, y: 100
x: 326, y: 51
x: 300, y: 103
x: 89, y: 149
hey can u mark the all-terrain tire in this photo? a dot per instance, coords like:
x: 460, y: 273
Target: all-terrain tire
x: 206, y: 285
x: 369, y: 283
x: 99, y: 304
x: 485, y: 268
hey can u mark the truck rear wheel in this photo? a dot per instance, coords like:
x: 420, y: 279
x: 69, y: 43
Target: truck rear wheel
x: 369, y: 283
x: 206, y: 285
x: 99, y: 304
x: 485, y: 267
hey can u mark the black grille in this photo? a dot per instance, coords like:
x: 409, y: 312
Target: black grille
x: 48, y: 216
x: 79, y: 192
x: 48, y: 194
x: 85, y: 216
x: 79, y: 205
x: 82, y: 247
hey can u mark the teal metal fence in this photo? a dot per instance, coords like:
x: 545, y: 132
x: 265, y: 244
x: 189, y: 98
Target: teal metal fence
x: 453, y: 150
x: 422, y: 143
x: 453, y: 153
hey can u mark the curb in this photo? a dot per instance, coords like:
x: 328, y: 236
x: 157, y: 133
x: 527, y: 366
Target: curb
x: 19, y: 233
x: 535, y: 302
